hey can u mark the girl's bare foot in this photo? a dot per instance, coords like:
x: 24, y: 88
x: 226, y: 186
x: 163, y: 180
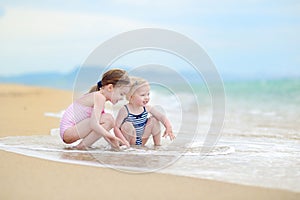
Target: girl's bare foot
x: 81, y: 146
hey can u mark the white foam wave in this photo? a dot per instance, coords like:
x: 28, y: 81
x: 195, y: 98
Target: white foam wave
x: 56, y: 115
x: 217, y: 151
x: 52, y: 144
x: 55, y: 132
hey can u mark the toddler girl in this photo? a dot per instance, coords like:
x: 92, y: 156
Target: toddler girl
x: 133, y: 126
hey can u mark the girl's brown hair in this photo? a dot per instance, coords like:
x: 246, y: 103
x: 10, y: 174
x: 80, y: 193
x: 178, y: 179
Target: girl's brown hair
x: 116, y: 77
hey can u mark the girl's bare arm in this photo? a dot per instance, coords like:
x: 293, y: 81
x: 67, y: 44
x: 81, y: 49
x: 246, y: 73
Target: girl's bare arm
x: 118, y: 133
x: 99, y: 101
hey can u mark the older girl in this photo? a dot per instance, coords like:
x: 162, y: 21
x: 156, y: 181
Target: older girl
x: 85, y: 119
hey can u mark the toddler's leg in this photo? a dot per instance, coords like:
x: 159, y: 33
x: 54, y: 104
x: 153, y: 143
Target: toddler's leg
x: 128, y: 132
x: 152, y: 128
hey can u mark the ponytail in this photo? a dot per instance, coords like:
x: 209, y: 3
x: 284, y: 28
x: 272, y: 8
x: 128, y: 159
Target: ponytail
x: 116, y: 77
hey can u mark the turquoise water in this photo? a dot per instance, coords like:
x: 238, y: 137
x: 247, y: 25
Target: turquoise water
x: 271, y: 92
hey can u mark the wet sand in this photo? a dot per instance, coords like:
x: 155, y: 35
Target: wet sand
x: 22, y: 177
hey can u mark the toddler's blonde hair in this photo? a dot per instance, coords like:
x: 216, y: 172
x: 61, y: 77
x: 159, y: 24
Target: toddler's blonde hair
x: 136, y: 83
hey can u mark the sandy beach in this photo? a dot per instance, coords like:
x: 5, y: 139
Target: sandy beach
x: 22, y: 177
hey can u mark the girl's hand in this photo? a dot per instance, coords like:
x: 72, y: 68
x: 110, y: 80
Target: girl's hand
x: 113, y: 141
x: 169, y: 132
x: 126, y: 143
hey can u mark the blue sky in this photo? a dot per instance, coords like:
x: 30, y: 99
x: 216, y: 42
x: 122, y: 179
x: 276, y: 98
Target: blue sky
x: 250, y: 38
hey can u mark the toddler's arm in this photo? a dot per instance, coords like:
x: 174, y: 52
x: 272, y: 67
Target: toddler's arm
x: 164, y: 120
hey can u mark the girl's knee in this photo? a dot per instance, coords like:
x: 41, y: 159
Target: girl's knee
x: 107, y: 120
x: 68, y: 140
x: 69, y: 137
x: 108, y: 117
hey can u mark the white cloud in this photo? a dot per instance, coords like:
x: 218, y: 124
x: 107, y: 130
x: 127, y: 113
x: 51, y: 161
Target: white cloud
x: 34, y: 39
x: 31, y: 23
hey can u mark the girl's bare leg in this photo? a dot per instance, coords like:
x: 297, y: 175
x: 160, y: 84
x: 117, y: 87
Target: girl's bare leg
x: 107, y: 122
x: 82, y: 130
x: 152, y: 128
x: 78, y: 131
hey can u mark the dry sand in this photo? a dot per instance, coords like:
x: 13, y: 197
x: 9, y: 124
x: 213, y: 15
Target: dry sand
x: 22, y: 177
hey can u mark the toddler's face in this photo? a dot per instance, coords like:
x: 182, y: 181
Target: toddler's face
x: 141, y: 96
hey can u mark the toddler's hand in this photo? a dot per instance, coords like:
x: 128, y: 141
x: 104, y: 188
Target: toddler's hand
x: 169, y: 132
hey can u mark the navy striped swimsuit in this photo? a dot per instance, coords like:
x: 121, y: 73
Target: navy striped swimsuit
x: 139, y: 123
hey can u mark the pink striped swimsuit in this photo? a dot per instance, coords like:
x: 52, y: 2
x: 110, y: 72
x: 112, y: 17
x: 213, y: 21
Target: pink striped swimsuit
x: 74, y: 114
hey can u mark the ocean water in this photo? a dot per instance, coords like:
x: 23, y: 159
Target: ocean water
x: 259, y: 144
